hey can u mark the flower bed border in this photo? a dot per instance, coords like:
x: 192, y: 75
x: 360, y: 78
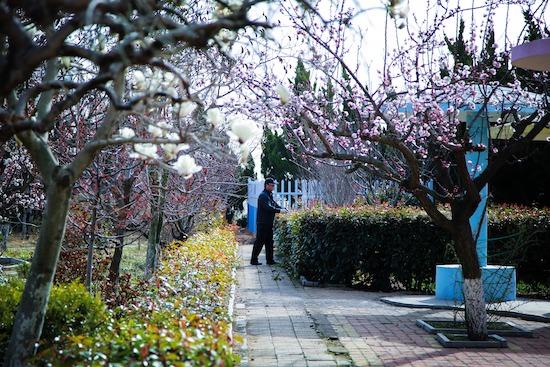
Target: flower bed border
x: 517, y: 331
x: 494, y: 341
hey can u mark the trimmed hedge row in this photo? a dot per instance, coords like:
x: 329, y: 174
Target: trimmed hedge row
x: 71, y: 309
x: 520, y: 236
x: 180, y: 318
x: 383, y: 248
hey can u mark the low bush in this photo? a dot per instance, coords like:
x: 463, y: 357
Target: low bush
x: 368, y: 246
x: 385, y: 248
x: 520, y: 236
x: 180, y: 319
x: 71, y: 309
x: 72, y: 265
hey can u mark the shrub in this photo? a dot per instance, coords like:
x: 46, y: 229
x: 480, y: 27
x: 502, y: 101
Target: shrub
x: 72, y: 265
x: 180, y: 319
x: 384, y: 248
x: 71, y: 309
x: 367, y: 246
x: 520, y: 236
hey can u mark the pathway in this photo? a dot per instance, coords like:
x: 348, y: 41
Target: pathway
x: 285, y: 324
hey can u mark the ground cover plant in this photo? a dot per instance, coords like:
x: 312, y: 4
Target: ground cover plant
x: 179, y: 319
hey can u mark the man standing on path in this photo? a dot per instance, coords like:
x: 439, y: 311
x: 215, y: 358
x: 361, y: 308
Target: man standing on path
x: 267, y: 208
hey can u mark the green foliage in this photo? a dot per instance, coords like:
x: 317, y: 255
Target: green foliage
x: 520, y: 236
x: 277, y: 159
x: 302, y: 80
x: 181, y: 318
x: 71, y: 309
x: 23, y: 270
x: 367, y: 247
x: 535, y: 30
x: 458, y: 48
x: 385, y: 248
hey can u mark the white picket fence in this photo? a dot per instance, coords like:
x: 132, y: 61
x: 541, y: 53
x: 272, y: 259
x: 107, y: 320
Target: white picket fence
x: 290, y: 194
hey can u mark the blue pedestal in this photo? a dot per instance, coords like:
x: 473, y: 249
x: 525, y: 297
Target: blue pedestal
x: 499, y: 283
x: 251, y: 219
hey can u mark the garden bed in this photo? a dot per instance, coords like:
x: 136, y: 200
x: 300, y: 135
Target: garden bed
x: 502, y: 328
x: 450, y: 340
x: 181, y: 317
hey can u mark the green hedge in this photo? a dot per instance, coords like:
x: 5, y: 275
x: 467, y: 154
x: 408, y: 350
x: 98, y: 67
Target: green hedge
x: 520, y: 236
x: 384, y: 248
x: 71, y: 309
x: 181, y: 319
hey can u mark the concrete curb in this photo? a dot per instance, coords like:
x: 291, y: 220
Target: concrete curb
x: 514, y: 314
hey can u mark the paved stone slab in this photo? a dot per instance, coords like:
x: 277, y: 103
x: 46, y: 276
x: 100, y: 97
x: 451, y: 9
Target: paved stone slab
x: 279, y: 329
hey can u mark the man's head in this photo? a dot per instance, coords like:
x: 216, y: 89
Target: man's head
x: 269, y: 184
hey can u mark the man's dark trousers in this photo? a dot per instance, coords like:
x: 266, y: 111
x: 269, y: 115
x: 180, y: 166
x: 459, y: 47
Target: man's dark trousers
x: 264, y: 236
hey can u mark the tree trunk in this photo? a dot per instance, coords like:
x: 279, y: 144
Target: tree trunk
x: 159, y: 179
x: 90, y: 258
x: 32, y: 308
x: 24, y: 224
x: 114, y: 269
x: 4, y: 234
x: 153, y: 245
x: 474, y: 300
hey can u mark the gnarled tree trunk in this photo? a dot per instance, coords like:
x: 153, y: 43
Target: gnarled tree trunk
x: 114, y: 269
x: 474, y: 299
x: 159, y: 179
x: 4, y: 234
x: 30, y: 315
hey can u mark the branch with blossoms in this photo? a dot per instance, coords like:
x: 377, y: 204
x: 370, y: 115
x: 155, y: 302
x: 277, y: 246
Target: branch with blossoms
x: 59, y: 57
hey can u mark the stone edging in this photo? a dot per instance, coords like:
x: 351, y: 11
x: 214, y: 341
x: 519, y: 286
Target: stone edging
x: 514, y: 314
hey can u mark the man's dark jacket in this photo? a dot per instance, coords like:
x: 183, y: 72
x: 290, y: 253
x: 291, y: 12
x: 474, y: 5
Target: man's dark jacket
x: 267, y: 207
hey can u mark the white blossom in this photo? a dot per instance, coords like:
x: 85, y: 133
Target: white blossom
x: 185, y: 165
x: 243, y: 130
x: 172, y: 92
x: 156, y: 131
x: 215, y: 116
x: 144, y: 151
x: 126, y: 133
x: 165, y: 125
x: 245, y: 152
x: 139, y: 80
x: 185, y: 109
x: 170, y: 149
x: 284, y: 94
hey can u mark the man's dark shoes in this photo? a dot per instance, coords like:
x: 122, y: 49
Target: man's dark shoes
x: 272, y: 263
x: 255, y: 262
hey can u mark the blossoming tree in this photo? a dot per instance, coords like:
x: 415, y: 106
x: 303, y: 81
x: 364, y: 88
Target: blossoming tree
x: 113, y: 44
x: 408, y: 129
x: 20, y: 191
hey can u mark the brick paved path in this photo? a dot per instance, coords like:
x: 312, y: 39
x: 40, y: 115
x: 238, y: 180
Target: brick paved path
x: 287, y: 325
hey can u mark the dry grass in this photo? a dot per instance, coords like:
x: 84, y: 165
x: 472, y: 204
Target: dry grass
x: 133, y: 258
